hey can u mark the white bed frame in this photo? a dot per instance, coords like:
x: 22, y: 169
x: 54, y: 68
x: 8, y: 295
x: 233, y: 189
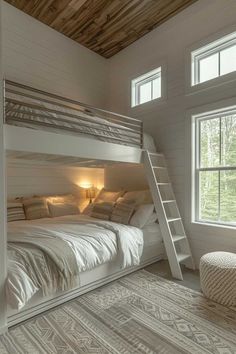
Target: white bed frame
x: 19, y: 141
x: 89, y: 280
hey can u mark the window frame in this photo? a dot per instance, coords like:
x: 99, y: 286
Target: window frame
x: 197, y: 169
x: 204, y: 52
x: 211, y: 44
x: 141, y: 80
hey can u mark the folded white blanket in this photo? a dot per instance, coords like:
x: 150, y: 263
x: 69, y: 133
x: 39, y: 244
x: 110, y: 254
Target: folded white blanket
x: 50, y: 253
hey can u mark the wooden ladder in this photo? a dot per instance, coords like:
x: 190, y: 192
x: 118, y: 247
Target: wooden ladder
x: 173, y: 233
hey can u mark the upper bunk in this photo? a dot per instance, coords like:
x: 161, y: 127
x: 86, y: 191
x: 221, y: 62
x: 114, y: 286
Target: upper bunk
x: 39, y: 123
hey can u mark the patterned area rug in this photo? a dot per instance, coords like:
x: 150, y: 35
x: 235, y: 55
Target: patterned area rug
x: 140, y: 313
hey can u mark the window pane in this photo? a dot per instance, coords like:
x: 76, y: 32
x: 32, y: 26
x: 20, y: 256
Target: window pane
x: 145, y: 92
x: 156, y: 88
x: 209, y: 195
x: 228, y: 60
x: 228, y: 196
x: 210, y: 142
x: 209, y: 68
x: 228, y: 140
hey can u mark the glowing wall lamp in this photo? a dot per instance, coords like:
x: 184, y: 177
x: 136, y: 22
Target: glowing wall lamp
x: 89, y: 190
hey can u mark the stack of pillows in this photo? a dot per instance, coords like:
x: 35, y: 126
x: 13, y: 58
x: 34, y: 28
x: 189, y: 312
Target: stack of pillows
x: 130, y: 208
x: 42, y: 207
x: 134, y: 208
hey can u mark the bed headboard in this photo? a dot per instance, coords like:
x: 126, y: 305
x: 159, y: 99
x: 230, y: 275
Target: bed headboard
x: 30, y: 178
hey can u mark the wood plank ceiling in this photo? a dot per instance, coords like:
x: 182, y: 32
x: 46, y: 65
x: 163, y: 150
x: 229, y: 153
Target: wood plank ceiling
x: 104, y: 26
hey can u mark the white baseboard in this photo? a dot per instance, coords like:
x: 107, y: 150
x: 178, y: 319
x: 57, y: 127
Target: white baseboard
x: 62, y: 298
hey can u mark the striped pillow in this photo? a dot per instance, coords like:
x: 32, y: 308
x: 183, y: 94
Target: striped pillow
x: 36, y: 208
x: 15, y: 212
x: 102, y: 210
x: 122, y: 213
x: 106, y: 195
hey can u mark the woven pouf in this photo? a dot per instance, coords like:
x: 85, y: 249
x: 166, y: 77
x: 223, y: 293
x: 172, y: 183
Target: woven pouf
x: 218, y: 277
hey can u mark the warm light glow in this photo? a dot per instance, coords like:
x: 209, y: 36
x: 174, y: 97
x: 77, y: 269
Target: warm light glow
x: 100, y: 186
x: 86, y: 185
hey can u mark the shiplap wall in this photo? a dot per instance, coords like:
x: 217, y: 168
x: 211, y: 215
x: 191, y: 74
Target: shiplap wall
x: 36, y: 55
x: 166, y: 120
x: 125, y: 176
x: 32, y: 178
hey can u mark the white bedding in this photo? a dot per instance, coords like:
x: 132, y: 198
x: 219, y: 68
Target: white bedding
x: 92, y: 242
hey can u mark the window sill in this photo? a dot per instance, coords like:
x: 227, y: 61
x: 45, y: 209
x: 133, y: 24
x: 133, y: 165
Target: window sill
x: 214, y: 225
x: 148, y: 106
x: 211, y: 84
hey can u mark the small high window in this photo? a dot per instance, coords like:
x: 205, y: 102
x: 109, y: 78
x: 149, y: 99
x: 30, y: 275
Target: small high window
x: 214, y: 59
x: 215, y: 167
x: 146, y: 88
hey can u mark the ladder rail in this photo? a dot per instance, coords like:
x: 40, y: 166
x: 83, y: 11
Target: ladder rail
x: 165, y: 229
x: 170, y: 240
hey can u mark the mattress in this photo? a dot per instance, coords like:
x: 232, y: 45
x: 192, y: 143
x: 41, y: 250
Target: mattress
x: 25, y: 112
x: 96, y: 245
x: 51, y: 253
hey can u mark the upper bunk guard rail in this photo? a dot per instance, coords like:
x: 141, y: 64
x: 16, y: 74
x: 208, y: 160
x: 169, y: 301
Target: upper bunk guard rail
x: 33, y: 108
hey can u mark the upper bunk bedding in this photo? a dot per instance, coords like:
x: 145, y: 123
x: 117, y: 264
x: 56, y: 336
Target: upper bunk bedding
x: 35, y: 109
x: 49, y: 254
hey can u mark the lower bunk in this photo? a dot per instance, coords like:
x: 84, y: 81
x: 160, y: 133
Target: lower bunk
x: 103, y: 250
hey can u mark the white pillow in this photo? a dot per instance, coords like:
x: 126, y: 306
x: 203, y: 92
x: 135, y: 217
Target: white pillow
x: 153, y: 218
x: 142, y: 215
x: 62, y: 209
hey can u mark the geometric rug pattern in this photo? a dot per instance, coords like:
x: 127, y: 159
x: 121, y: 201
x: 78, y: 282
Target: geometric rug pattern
x: 139, y: 313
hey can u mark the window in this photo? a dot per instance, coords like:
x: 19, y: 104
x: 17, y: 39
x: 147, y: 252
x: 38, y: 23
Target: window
x: 214, y: 60
x: 215, y: 167
x: 146, y: 88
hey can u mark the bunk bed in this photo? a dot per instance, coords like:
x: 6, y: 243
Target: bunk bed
x: 32, y: 115
x: 73, y: 132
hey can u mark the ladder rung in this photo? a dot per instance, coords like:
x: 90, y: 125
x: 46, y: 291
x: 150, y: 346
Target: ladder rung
x: 169, y: 201
x: 182, y: 257
x: 163, y: 183
x: 155, y: 154
x: 177, y: 238
x: 159, y: 167
x: 173, y: 219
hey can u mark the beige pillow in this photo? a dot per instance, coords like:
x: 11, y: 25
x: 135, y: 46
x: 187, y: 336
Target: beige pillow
x: 122, y: 212
x: 62, y: 209
x: 106, y: 195
x: 88, y: 209
x: 140, y: 197
x: 15, y: 212
x: 102, y: 210
x: 35, y: 208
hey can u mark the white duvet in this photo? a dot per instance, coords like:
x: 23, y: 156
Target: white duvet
x: 91, y: 242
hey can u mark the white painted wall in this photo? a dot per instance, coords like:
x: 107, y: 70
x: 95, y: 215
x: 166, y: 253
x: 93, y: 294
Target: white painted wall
x: 30, y: 178
x: 36, y: 55
x: 166, y: 120
x: 125, y: 176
